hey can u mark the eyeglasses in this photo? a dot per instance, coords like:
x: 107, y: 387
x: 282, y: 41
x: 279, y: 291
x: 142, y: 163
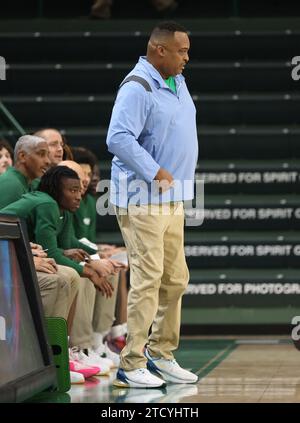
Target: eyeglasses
x: 56, y: 144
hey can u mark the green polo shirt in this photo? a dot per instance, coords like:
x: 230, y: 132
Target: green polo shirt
x: 13, y: 184
x: 47, y: 226
x: 171, y: 83
x: 85, y: 219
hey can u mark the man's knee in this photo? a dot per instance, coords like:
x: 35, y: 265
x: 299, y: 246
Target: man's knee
x: 49, y: 291
x: 69, y: 280
x: 174, y: 289
x: 47, y: 281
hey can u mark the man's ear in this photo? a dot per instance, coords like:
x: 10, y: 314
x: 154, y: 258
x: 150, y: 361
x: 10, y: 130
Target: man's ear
x: 161, y: 50
x: 21, y: 157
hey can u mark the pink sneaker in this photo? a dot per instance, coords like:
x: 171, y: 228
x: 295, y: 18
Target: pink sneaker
x: 86, y: 371
x: 76, y: 354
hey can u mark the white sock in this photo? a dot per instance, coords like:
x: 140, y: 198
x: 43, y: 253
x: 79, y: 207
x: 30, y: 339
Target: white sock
x: 98, y: 340
x: 117, y: 331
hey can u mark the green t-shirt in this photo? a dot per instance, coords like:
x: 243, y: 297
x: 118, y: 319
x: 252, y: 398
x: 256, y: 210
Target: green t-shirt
x: 171, y: 83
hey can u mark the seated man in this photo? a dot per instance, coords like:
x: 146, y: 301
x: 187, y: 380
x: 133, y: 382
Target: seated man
x: 31, y: 162
x: 47, y: 217
x: 113, y: 321
x: 58, y: 285
x: 85, y: 217
x: 104, y: 309
x: 44, y: 211
x: 58, y: 288
x: 58, y: 148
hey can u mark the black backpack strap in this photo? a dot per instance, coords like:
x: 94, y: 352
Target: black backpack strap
x: 138, y: 79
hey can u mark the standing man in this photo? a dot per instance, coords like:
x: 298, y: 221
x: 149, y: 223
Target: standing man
x: 153, y: 136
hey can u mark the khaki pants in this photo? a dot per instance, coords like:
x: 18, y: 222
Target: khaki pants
x: 158, y: 279
x: 58, y: 291
x: 104, y: 309
x: 94, y: 313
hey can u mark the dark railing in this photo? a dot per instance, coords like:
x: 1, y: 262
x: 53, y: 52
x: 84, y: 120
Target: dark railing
x: 9, y: 126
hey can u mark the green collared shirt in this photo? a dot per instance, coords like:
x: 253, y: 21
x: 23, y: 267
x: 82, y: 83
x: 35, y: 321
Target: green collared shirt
x: 13, y: 184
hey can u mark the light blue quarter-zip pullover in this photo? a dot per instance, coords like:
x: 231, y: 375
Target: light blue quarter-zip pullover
x: 150, y: 130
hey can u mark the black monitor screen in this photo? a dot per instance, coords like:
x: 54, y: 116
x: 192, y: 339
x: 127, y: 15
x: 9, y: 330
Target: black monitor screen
x: 26, y: 362
x: 19, y: 347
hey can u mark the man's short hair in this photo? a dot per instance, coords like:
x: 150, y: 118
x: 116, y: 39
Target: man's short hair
x: 51, y: 181
x: 26, y: 143
x: 167, y: 28
x: 82, y: 155
x: 39, y: 132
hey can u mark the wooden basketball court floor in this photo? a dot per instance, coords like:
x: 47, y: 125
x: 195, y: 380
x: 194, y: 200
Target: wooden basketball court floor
x: 231, y: 370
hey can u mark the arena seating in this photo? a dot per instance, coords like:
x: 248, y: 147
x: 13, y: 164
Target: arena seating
x: 249, y: 133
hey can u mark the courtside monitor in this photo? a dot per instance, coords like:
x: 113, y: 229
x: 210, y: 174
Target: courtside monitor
x: 26, y: 362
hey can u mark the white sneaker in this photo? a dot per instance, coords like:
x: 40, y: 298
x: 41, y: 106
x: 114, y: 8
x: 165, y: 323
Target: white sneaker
x: 169, y: 370
x: 104, y: 361
x: 76, y: 378
x: 105, y: 352
x: 76, y: 354
x: 139, y: 378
